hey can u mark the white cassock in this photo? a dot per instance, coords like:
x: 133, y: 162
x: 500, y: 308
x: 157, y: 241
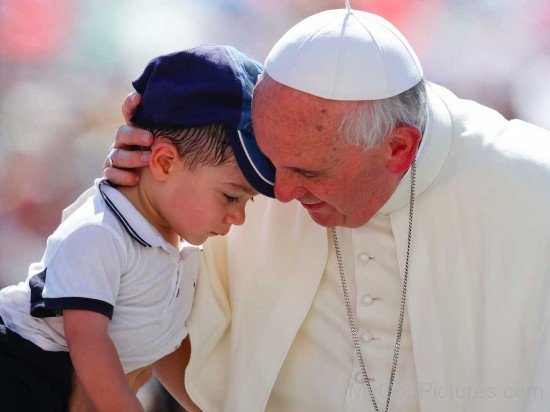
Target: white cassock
x: 268, y: 331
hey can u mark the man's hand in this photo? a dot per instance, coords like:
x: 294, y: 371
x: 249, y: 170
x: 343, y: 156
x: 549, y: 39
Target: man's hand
x: 121, y: 156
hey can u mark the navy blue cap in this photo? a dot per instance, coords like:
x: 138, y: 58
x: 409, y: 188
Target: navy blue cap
x: 205, y: 85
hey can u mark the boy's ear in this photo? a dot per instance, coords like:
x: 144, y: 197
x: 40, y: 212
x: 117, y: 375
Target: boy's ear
x: 164, y: 158
x: 403, y: 144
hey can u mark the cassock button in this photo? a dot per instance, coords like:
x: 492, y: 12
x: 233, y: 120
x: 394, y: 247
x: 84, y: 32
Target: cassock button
x: 364, y: 258
x: 366, y: 337
x: 367, y: 300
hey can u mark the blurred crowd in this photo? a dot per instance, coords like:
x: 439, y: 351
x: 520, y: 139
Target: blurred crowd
x: 66, y: 65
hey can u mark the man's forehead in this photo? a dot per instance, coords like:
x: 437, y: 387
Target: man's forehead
x: 273, y: 99
x: 287, y: 114
x: 268, y: 89
x: 295, y: 129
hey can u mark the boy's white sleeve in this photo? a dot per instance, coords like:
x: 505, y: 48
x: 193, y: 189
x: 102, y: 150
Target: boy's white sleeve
x: 81, y: 272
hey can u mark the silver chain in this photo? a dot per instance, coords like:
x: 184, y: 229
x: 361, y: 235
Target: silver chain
x: 351, y: 318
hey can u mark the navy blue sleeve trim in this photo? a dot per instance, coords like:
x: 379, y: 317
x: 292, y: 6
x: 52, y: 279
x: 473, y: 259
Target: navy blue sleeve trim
x: 52, y: 307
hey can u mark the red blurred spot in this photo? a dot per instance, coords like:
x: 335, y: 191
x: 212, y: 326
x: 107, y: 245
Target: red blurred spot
x: 411, y: 17
x: 33, y: 29
x: 396, y: 11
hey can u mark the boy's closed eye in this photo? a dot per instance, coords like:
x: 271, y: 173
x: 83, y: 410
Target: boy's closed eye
x: 239, y: 192
x: 234, y: 199
x: 231, y: 199
x: 309, y: 174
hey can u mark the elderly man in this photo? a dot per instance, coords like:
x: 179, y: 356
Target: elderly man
x: 413, y: 272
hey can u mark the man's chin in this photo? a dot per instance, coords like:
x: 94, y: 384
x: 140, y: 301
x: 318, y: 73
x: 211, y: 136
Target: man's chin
x: 334, y: 218
x: 326, y: 219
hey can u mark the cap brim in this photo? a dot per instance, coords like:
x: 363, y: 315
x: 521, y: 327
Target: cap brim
x: 256, y: 167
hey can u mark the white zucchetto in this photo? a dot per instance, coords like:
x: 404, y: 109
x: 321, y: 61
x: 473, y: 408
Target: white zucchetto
x: 345, y: 55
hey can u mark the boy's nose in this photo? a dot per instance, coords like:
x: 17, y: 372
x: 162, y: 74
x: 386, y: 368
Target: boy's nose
x: 236, y: 217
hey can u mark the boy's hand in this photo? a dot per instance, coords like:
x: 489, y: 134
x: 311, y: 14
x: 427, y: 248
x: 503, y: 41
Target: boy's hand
x: 121, y: 158
x: 96, y: 362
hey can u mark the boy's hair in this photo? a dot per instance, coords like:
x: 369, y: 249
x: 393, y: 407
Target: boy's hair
x: 199, y: 146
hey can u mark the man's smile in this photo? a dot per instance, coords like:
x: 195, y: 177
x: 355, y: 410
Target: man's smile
x: 313, y: 206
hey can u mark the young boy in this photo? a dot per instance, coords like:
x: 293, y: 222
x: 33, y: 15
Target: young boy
x: 115, y: 285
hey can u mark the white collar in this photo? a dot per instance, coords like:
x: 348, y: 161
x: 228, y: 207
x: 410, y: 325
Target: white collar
x: 432, y: 153
x: 139, y: 228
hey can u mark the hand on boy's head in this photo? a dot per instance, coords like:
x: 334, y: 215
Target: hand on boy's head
x: 129, y: 106
x: 121, y: 155
x: 129, y: 135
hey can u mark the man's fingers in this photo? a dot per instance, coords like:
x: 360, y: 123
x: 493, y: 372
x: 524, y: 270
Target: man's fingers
x: 132, y: 136
x: 121, y: 177
x: 129, y: 106
x: 128, y: 159
x: 119, y: 161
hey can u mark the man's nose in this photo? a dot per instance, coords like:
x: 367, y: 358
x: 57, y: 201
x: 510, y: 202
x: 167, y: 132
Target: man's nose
x: 287, y: 187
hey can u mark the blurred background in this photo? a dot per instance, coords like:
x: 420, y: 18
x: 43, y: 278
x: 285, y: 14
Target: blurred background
x: 66, y: 65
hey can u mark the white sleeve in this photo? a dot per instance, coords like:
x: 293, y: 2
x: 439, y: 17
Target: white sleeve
x: 82, y: 272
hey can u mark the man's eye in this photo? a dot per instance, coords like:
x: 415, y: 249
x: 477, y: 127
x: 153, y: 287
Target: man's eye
x: 231, y: 199
x: 308, y: 174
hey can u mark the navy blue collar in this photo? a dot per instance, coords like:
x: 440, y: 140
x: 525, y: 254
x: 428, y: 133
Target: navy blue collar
x: 133, y: 222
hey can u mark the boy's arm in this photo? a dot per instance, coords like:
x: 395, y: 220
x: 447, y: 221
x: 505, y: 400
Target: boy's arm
x: 96, y: 361
x: 170, y: 371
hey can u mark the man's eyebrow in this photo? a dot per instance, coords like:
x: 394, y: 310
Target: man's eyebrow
x: 246, y: 189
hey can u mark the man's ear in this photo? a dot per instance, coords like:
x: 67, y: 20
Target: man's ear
x: 164, y: 158
x: 403, y: 144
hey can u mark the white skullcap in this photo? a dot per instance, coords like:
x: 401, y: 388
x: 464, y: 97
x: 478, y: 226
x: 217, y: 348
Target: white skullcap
x: 345, y: 55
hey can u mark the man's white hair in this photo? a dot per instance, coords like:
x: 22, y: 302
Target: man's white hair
x: 369, y: 121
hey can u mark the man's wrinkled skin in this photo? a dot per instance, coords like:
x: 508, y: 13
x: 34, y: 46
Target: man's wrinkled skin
x: 338, y: 183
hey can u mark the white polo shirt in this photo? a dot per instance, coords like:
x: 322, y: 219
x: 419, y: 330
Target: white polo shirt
x: 107, y: 258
